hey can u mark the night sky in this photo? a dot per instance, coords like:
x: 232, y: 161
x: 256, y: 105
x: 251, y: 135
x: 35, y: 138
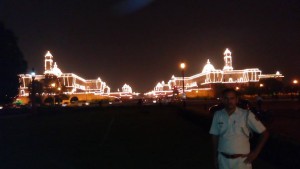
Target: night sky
x: 142, y: 42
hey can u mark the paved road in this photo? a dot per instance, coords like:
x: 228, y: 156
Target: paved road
x: 113, y: 138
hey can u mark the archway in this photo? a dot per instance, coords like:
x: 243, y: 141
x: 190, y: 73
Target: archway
x: 49, y: 100
x: 74, y: 99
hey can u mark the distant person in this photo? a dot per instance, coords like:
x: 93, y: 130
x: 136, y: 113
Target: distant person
x: 140, y: 102
x: 160, y: 101
x: 231, y: 129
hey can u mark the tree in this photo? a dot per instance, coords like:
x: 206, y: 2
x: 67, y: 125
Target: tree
x: 272, y: 86
x: 12, y: 63
x: 38, y: 87
x: 252, y: 90
x: 218, y: 89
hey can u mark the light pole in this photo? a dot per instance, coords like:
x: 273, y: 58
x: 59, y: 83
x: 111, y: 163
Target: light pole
x: 261, y: 85
x: 33, y: 105
x: 295, y: 83
x: 182, y: 66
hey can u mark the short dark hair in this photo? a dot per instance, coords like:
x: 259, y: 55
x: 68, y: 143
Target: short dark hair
x: 230, y: 90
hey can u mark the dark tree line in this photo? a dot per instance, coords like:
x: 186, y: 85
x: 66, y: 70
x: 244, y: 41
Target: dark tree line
x: 12, y: 63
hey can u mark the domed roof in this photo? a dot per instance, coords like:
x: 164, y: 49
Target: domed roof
x: 208, y: 67
x: 56, y: 71
x: 126, y: 88
x: 159, y: 85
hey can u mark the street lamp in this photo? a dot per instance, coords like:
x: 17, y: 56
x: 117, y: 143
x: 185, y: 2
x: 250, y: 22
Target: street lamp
x: 295, y: 81
x: 33, y: 90
x: 182, y: 66
x: 33, y: 75
x: 295, y: 87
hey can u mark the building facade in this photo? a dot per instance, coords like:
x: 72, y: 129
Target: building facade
x: 55, y: 80
x: 53, y: 83
x: 210, y: 76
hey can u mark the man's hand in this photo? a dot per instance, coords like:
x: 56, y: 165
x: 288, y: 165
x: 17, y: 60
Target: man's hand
x: 262, y: 140
x: 251, y: 157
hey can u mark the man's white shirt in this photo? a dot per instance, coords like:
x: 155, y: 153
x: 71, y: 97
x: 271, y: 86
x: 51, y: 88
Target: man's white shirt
x: 234, y: 130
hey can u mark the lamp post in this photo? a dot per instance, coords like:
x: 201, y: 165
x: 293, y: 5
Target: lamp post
x: 182, y: 66
x: 33, y: 105
x: 295, y: 83
x: 261, y: 89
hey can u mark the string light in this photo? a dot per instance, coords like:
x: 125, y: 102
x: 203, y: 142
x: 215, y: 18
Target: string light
x: 210, y: 75
x: 73, y: 82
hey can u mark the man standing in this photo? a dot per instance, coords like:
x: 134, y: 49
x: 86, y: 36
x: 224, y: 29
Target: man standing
x: 231, y: 128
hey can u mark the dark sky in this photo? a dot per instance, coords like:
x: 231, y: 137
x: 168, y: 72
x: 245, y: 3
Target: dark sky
x: 141, y: 42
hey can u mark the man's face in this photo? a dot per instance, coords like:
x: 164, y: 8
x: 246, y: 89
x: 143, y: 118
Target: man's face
x: 230, y: 100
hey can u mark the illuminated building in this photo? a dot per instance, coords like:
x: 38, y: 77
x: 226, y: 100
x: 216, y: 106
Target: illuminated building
x: 126, y: 92
x: 55, y: 81
x: 210, y: 76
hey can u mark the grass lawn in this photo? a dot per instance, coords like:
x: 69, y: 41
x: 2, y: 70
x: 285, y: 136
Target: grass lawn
x: 114, y: 138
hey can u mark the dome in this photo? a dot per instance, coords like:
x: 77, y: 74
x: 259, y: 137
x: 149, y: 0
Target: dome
x: 159, y: 85
x: 126, y: 88
x: 208, y: 67
x: 56, y: 71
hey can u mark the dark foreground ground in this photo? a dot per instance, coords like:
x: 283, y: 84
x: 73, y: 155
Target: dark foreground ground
x: 154, y: 137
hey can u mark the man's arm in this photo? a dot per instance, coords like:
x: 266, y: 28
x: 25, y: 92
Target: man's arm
x: 215, y: 141
x: 261, y: 142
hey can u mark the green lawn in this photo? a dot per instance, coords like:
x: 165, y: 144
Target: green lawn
x: 115, y: 138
